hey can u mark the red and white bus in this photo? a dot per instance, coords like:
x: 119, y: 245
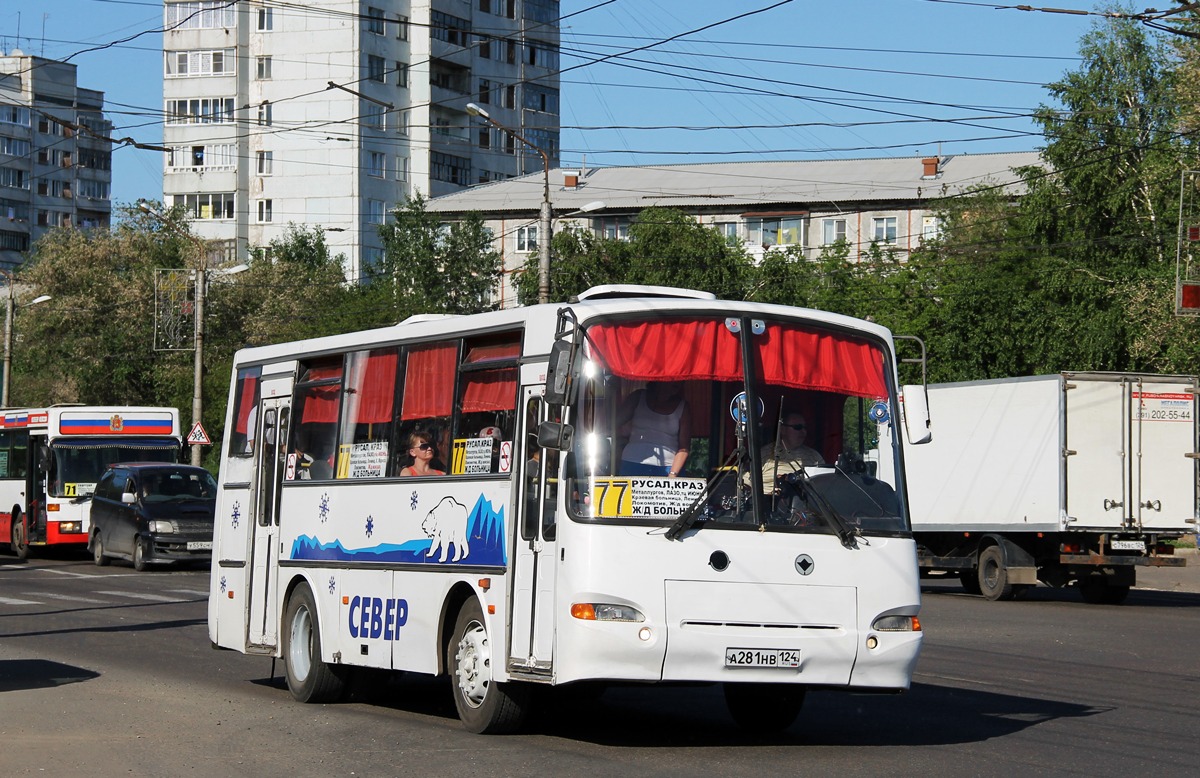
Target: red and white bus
x: 52, y: 457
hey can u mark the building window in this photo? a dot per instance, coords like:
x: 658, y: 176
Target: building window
x: 216, y: 62
x: 783, y: 231
x: 527, y: 239
x: 485, y: 137
x: 266, y: 20
x: 202, y: 15
x: 14, y: 147
x: 510, y: 96
x: 264, y: 162
x: 728, y: 231
x: 262, y: 68
x: 931, y: 228
x: 264, y: 211
x: 200, y: 110
x: 207, y: 205
x: 614, y: 228
x: 539, y: 98
x: 401, y: 168
x: 544, y: 11
x: 884, y: 229
x: 374, y: 22
x: 402, y: 28
x: 484, y: 47
x: 376, y: 164
x: 209, y: 157
x: 542, y: 55
x: 264, y: 113
x: 485, y: 91
x: 401, y: 74
x: 832, y: 230
x: 372, y: 115
x: 12, y: 114
x: 451, y: 29
x: 376, y: 68
x: 375, y: 211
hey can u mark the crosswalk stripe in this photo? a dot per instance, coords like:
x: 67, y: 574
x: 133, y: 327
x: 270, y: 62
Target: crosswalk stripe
x: 192, y: 592
x: 141, y: 596
x: 15, y: 601
x: 72, y: 598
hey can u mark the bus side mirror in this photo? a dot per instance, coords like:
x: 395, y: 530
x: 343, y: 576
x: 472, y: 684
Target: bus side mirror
x: 555, y: 435
x: 560, y: 380
x: 915, y: 407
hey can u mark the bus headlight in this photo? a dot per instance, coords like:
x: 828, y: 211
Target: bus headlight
x: 604, y: 611
x: 161, y: 527
x: 897, y: 624
x: 70, y: 526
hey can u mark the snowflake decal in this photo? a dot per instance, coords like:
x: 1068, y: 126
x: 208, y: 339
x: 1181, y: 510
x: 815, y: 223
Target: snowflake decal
x: 412, y: 500
x: 324, y: 508
x: 223, y: 584
x: 235, y: 517
x: 370, y: 526
x: 332, y: 584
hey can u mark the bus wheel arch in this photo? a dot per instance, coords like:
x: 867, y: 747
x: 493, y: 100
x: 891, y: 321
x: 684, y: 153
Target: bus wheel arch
x: 485, y: 705
x: 309, y: 677
x: 19, y: 536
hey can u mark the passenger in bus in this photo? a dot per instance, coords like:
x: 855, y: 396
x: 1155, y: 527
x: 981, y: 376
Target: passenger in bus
x: 788, y: 453
x: 422, y: 450
x: 660, y: 430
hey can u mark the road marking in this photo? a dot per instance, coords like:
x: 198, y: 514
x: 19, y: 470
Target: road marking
x: 69, y: 573
x: 15, y: 601
x: 72, y: 598
x: 193, y: 592
x: 140, y: 596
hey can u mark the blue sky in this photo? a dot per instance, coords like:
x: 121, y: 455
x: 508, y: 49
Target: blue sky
x: 806, y: 79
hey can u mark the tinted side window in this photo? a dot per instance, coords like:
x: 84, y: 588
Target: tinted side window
x: 105, y: 488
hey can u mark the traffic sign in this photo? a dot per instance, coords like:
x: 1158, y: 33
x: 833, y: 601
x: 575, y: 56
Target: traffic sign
x: 198, y: 437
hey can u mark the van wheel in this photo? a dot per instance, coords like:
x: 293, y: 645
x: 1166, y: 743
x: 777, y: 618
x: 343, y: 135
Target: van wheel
x: 20, y: 542
x: 98, y: 551
x: 993, y: 575
x: 139, y: 555
x: 485, y: 706
x: 764, y: 707
x: 309, y: 679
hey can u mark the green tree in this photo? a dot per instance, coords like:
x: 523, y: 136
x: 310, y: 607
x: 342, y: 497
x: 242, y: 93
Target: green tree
x: 429, y: 267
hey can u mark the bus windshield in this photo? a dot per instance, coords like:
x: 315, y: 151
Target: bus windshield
x: 671, y: 422
x: 74, y: 470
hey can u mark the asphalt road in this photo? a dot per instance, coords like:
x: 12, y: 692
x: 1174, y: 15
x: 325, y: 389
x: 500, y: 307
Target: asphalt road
x: 105, y: 672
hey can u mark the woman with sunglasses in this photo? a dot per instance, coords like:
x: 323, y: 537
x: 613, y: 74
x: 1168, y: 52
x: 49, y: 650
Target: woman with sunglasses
x: 421, y: 450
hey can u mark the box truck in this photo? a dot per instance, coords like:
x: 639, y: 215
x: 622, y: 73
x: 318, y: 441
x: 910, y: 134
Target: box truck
x: 1069, y: 479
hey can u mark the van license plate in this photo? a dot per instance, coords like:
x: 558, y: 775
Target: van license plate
x: 199, y: 545
x: 762, y: 657
x: 1129, y: 545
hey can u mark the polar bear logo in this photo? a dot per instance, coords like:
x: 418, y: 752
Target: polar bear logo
x: 446, y: 524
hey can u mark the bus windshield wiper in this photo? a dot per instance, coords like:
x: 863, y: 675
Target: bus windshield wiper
x: 802, y: 482
x: 691, y: 514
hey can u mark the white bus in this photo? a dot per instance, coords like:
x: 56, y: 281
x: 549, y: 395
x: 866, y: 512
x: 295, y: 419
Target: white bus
x: 536, y: 558
x: 52, y: 457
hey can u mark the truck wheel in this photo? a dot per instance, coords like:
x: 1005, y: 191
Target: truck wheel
x: 20, y: 543
x: 309, y: 679
x: 1098, y: 590
x: 993, y: 575
x: 484, y: 705
x: 764, y: 707
x: 970, y: 581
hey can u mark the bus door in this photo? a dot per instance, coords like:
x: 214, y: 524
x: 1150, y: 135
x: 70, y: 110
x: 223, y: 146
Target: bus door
x: 270, y: 460
x: 535, y: 548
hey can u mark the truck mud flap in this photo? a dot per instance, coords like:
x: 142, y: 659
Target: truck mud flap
x: 1101, y: 560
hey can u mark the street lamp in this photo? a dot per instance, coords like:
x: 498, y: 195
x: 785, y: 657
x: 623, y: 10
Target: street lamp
x: 544, y: 216
x: 9, y: 313
x: 200, y: 278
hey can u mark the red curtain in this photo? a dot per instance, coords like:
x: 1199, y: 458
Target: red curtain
x: 490, y: 390
x: 321, y: 402
x: 378, y: 390
x: 246, y: 402
x: 705, y: 350
x: 493, y: 352
x: 429, y: 381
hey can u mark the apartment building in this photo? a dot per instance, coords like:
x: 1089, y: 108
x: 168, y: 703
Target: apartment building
x: 331, y: 112
x: 764, y: 206
x: 55, y: 153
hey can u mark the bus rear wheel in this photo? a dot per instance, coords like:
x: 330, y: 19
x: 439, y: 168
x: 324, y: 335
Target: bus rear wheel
x: 485, y: 706
x: 20, y: 542
x: 764, y: 707
x: 309, y: 679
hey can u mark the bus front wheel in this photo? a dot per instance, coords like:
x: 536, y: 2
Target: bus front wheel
x: 764, y: 707
x: 485, y: 706
x: 309, y: 679
x: 20, y: 542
